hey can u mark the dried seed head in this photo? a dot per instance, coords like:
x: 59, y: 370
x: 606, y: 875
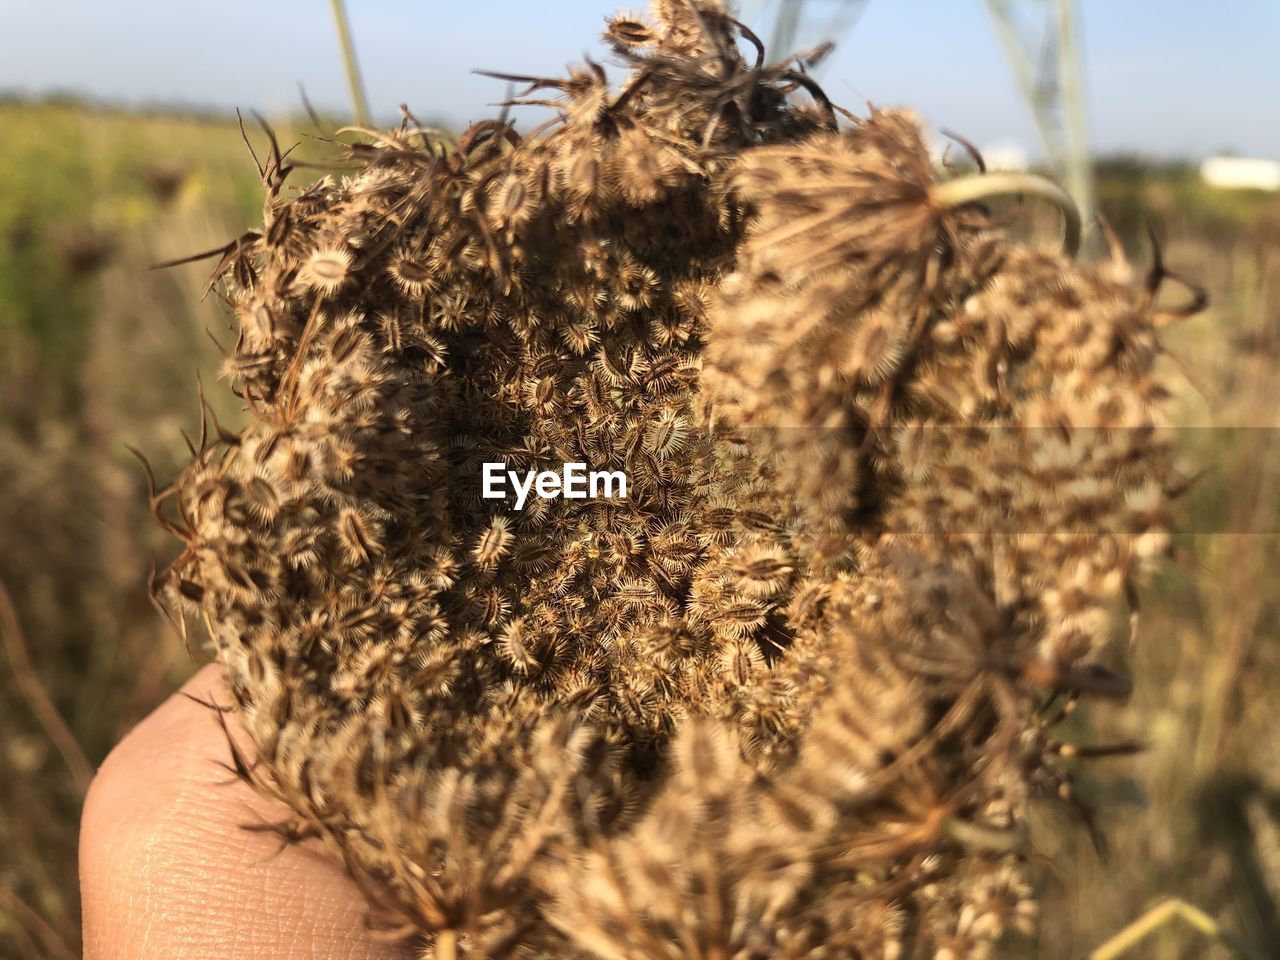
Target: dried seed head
x: 886, y: 475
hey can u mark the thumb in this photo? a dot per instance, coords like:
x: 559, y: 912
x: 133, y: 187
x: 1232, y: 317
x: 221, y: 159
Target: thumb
x: 167, y: 872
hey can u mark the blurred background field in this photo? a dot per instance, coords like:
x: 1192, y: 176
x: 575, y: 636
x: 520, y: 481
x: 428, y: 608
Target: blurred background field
x: 96, y: 351
x: 99, y: 352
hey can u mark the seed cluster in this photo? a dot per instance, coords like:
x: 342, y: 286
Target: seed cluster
x: 886, y: 477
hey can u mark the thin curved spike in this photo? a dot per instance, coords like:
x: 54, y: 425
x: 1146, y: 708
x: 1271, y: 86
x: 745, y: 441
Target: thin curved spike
x: 207, y: 704
x: 1156, y: 273
x: 751, y: 37
x: 597, y: 70
x: 204, y: 420
x: 310, y: 109
x: 1114, y: 247
x: 1199, y: 296
x: 640, y: 81
x: 158, y: 496
x: 535, y: 83
x: 155, y: 584
x: 974, y: 153
x: 252, y: 153
x: 814, y: 90
x: 221, y: 349
x: 193, y: 258
x: 275, y: 168
x: 240, y: 767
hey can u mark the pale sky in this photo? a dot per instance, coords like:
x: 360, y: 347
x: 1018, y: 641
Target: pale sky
x: 1163, y: 77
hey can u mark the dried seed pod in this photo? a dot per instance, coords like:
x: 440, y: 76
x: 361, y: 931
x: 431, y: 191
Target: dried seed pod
x: 885, y: 474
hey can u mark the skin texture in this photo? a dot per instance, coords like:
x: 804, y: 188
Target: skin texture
x: 167, y: 872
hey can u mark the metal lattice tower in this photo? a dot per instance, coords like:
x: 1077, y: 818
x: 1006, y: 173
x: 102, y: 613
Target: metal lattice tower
x: 802, y: 24
x: 1040, y: 40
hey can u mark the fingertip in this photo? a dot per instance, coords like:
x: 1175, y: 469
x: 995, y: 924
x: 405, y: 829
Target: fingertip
x: 167, y: 871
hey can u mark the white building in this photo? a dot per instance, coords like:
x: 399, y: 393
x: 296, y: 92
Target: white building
x: 1006, y: 155
x: 1241, y: 173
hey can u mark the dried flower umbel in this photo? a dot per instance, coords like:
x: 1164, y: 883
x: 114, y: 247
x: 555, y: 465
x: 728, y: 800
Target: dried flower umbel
x: 792, y: 698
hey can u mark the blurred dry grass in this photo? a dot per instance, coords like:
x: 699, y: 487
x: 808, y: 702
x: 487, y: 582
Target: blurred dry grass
x: 97, y: 352
x: 1198, y: 815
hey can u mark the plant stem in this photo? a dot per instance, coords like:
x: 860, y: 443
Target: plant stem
x: 355, y: 84
x: 28, y: 918
x: 447, y: 945
x: 955, y: 193
x: 1157, y: 917
x: 38, y: 699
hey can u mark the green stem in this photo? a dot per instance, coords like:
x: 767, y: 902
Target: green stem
x: 355, y: 84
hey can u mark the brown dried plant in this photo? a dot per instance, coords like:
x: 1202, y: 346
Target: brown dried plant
x: 888, y: 477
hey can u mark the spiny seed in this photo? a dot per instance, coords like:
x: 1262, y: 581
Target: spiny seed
x: 356, y: 536
x: 875, y: 349
x: 326, y: 269
x: 512, y: 202
x: 666, y: 436
x: 493, y: 543
x: 629, y: 31
x: 410, y: 273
